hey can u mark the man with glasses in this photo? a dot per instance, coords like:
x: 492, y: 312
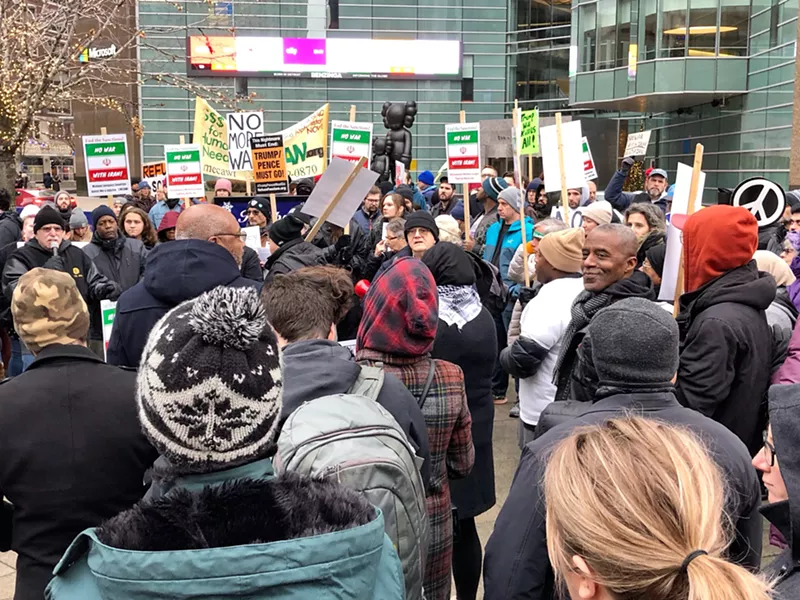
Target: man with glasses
x: 50, y: 250
x: 207, y: 252
x: 257, y: 213
x: 421, y: 233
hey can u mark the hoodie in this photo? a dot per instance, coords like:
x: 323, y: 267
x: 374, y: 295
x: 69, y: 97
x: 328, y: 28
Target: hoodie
x: 174, y: 272
x: 784, y: 416
x: 316, y: 368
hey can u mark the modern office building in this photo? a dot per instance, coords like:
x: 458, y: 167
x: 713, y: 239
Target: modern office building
x: 719, y: 72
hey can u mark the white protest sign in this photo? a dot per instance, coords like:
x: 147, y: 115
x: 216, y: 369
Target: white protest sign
x: 637, y: 143
x: 108, y: 310
x: 680, y: 206
x: 463, y: 152
x: 241, y: 127
x: 253, y: 239
x: 399, y: 173
x: 571, y: 139
x: 184, y: 171
x: 589, y: 168
x: 106, y: 159
x: 575, y: 215
x: 329, y: 185
x: 351, y: 141
x: 155, y: 174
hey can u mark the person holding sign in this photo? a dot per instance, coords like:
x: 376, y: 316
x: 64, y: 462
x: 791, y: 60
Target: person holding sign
x: 655, y: 188
x: 257, y: 214
x: 726, y: 343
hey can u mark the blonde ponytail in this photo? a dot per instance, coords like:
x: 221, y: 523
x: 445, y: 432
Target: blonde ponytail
x: 642, y: 503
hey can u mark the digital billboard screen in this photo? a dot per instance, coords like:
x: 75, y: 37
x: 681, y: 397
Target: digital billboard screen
x: 328, y: 58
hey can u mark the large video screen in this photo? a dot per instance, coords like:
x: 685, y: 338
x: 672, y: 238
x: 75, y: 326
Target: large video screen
x: 334, y: 58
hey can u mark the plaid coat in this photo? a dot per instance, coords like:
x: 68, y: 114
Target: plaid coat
x: 449, y: 425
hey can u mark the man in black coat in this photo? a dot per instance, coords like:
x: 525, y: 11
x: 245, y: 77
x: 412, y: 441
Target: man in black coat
x: 50, y: 250
x: 726, y: 343
x: 609, y: 275
x: 73, y: 454
x: 10, y: 223
x: 207, y: 253
x: 635, y: 348
x: 289, y: 250
x: 304, y: 307
x: 119, y: 258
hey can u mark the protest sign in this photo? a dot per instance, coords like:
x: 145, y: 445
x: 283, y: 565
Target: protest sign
x: 351, y: 141
x: 529, y: 134
x: 241, y: 129
x: 399, y: 173
x: 637, y: 143
x: 589, y: 170
x: 155, y: 174
x: 575, y: 215
x: 108, y: 311
x: 211, y: 134
x: 573, y: 156
x: 269, y: 164
x: 306, y: 144
x: 106, y: 159
x: 680, y: 206
x: 463, y: 152
x: 184, y: 171
x: 253, y: 239
x: 765, y: 199
x: 344, y: 186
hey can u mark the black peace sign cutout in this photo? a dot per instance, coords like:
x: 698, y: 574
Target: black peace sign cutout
x: 765, y: 199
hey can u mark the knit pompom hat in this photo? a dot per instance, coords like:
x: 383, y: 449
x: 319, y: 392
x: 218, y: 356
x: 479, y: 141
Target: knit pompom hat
x: 210, y: 382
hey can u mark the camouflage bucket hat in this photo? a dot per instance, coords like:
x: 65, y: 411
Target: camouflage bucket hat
x: 48, y: 309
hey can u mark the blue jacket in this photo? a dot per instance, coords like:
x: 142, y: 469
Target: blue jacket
x: 160, y: 209
x: 428, y: 193
x: 252, y: 539
x: 511, y: 242
x: 174, y: 272
x: 364, y: 220
x: 622, y: 200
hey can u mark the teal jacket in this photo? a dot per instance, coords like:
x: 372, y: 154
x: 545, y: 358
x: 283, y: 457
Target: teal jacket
x: 511, y: 242
x: 352, y: 559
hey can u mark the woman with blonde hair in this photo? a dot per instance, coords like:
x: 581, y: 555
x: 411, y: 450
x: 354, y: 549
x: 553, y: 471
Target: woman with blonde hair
x: 635, y: 510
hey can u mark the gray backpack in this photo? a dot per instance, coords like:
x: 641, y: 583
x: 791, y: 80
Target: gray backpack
x: 352, y: 439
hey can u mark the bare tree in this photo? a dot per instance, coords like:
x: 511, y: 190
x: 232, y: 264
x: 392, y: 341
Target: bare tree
x: 43, y: 64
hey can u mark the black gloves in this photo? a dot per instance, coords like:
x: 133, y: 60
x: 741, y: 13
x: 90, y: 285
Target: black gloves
x: 526, y: 294
x: 627, y: 163
x: 343, y: 242
x: 56, y: 263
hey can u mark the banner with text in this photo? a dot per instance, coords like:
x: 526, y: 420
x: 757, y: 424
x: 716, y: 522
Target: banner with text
x: 211, y: 134
x: 106, y: 159
x: 155, y: 173
x: 351, y: 141
x: 637, y: 143
x: 269, y: 164
x: 529, y: 134
x: 184, y: 171
x: 241, y: 129
x: 306, y: 145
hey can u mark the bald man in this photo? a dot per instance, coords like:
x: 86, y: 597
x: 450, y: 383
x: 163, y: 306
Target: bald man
x: 207, y: 252
x: 609, y: 275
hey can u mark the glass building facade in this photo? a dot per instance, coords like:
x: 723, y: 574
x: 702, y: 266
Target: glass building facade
x: 480, y: 25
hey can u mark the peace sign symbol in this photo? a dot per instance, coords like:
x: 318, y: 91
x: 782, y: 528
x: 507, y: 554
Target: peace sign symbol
x: 765, y: 199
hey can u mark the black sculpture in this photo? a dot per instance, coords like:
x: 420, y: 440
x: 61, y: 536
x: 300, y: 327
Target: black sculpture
x: 380, y: 159
x: 397, y: 118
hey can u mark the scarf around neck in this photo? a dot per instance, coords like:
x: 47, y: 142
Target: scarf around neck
x: 458, y: 304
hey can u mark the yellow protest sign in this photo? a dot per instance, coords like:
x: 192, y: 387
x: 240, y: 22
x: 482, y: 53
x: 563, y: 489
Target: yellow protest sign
x: 529, y: 132
x: 306, y: 145
x: 211, y: 132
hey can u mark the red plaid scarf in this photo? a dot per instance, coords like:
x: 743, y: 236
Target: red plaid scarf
x: 401, y: 311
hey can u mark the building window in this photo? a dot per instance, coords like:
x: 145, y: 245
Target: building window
x: 734, y: 22
x: 606, y: 34
x: 649, y: 35
x: 673, y: 39
x: 587, y: 21
x: 624, y: 33
x: 702, y: 32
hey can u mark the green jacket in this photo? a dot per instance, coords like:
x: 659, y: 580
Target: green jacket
x: 200, y: 539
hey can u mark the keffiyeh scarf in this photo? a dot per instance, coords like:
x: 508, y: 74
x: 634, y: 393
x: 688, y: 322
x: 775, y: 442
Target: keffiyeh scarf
x: 458, y: 304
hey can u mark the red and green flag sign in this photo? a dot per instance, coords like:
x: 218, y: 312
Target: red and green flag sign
x: 463, y: 153
x: 351, y: 141
x: 106, y: 158
x: 184, y: 171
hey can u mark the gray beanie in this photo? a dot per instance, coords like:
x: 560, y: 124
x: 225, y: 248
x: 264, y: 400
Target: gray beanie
x: 78, y: 219
x: 634, y: 344
x: 511, y: 196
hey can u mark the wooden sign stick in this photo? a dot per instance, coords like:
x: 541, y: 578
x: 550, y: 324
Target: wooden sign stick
x: 516, y: 120
x: 697, y: 167
x: 273, y: 206
x: 186, y: 201
x: 560, y: 142
x: 465, y: 192
x: 338, y: 196
x: 352, y: 120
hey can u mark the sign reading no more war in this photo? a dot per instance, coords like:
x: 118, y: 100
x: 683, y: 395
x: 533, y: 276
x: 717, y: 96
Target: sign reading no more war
x: 106, y: 159
x: 351, y: 141
x: 242, y: 127
x: 269, y: 164
x: 184, y: 171
x: 463, y: 152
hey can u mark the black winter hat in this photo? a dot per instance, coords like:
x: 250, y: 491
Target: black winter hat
x: 286, y: 229
x: 634, y: 344
x: 260, y: 204
x: 424, y: 219
x: 48, y: 216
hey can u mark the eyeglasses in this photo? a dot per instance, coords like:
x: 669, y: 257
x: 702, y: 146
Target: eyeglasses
x: 252, y: 211
x: 769, y: 451
x: 242, y: 236
x: 419, y: 231
x: 390, y: 238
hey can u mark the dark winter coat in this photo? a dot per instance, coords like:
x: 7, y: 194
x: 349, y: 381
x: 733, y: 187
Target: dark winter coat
x: 293, y: 255
x: 316, y: 368
x: 175, y: 272
x: 122, y: 261
x: 405, y: 251
x: 474, y: 349
x: 73, y: 456
x: 622, y: 200
x: 10, y: 228
x: 251, y: 265
x: 354, y: 257
x: 577, y: 379
x: 92, y: 284
x: 238, y: 533
x: 726, y: 351
x: 784, y: 416
x: 516, y: 564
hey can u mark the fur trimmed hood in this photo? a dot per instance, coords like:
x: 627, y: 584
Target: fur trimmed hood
x: 281, y: 538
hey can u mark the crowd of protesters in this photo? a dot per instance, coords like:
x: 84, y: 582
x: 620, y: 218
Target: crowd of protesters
x: 313, y: 416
